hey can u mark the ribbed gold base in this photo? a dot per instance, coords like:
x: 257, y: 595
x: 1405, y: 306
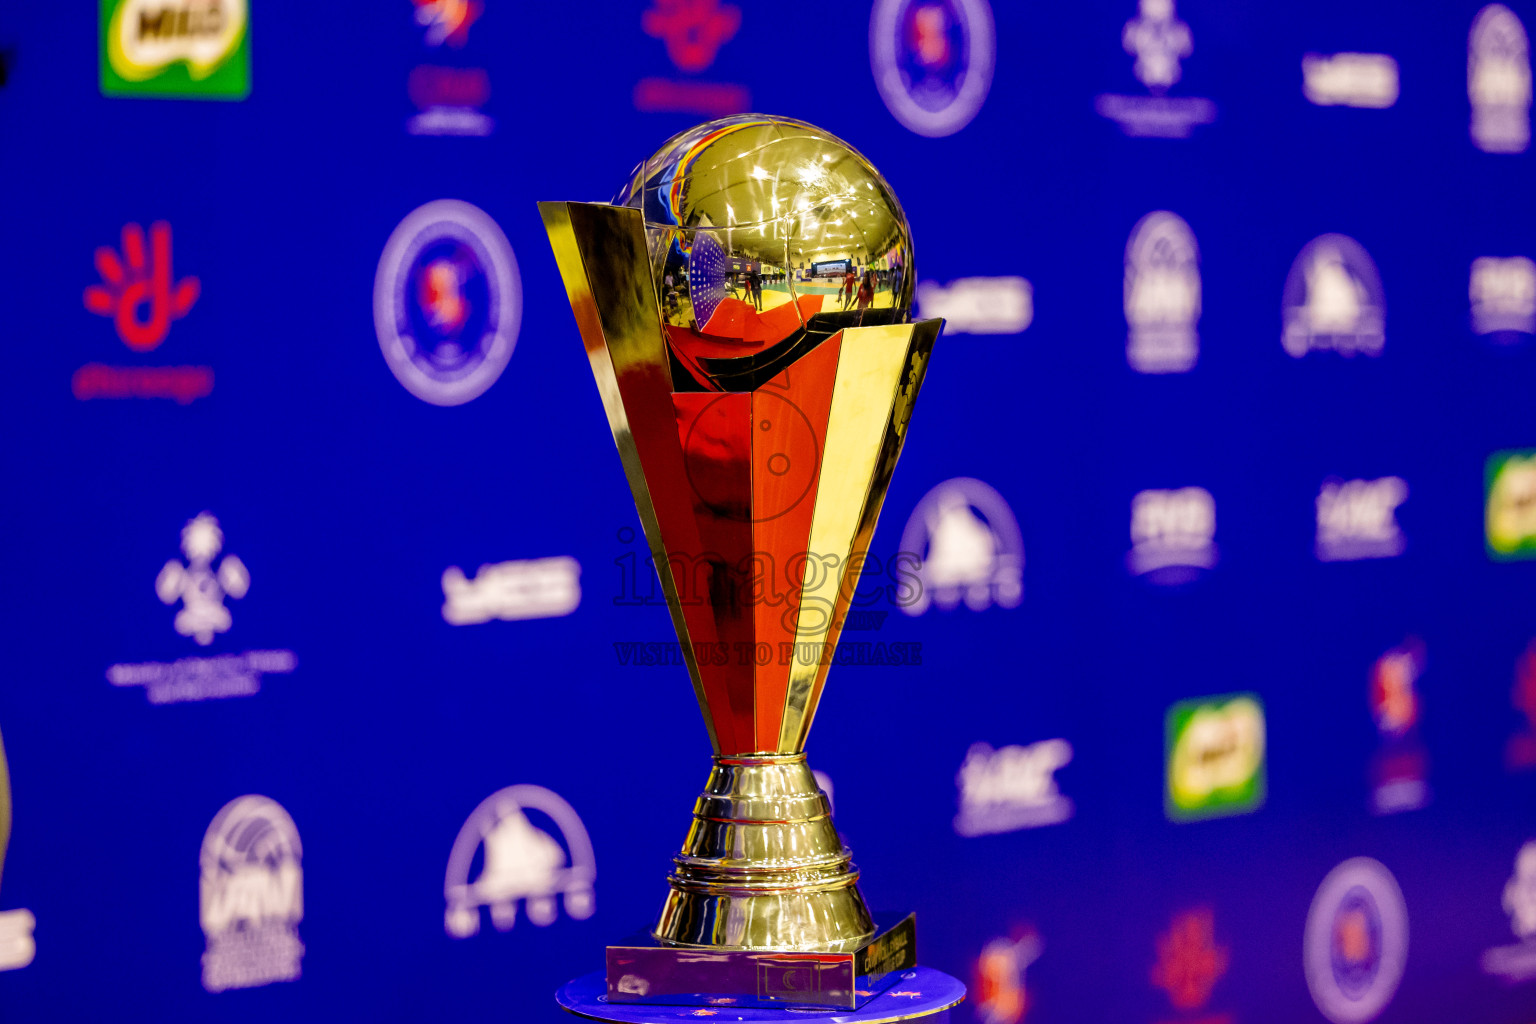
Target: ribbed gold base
x: 762, y: 867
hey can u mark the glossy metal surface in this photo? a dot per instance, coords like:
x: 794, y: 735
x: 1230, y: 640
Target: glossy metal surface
x: 763, y: 867
x: 758, y: 429
x: 765, y: 201
x: 921, y: 994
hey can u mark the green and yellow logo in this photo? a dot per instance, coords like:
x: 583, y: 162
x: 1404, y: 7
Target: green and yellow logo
x: 1215, y: 757
x: 170, y: 48
x: 1509, y: 506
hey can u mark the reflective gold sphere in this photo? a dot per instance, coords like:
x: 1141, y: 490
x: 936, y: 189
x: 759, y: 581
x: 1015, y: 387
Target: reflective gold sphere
x: 763, y: 228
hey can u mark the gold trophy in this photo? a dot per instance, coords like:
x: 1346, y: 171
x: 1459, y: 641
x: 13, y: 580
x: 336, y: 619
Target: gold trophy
x: 745, y: 303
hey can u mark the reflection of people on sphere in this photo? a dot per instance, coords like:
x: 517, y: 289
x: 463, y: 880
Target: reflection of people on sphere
x: 850, y: 282
x: 867, y: 289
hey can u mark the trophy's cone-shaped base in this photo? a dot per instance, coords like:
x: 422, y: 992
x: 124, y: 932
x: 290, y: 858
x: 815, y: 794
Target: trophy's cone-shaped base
x: 762, y: 867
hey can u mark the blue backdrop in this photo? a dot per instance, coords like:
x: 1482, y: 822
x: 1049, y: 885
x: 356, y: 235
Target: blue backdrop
x: 1380, y: 640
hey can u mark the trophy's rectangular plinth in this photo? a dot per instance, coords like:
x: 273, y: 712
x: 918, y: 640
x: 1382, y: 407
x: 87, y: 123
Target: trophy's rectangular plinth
x: 645, y: 971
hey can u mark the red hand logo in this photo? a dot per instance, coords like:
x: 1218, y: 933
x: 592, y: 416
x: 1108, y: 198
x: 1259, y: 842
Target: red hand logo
x: 133, y: 281
x: 694, y: 30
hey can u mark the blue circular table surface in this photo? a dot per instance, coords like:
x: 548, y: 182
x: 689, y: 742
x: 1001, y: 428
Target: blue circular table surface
x: 917, y: 993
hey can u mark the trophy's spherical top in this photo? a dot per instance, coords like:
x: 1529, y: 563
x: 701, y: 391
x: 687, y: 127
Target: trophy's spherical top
x: 757, y: 224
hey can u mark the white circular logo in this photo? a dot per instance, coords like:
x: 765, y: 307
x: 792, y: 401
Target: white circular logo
x: 932, y: 61
x: 1356, y: 943
x: 447, y: 302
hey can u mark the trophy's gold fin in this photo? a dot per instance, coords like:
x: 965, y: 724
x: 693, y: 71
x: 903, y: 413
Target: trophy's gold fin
x: 601, y: 253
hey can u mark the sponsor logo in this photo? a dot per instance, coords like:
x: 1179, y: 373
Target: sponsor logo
x: 1012, y: 788
x: 448, y: 99
x: 17, y: 946
x: 693, y: 31
x: 1520, y: 752
x: 932, y: 61
x: 541, y: 588
x: 200, y: 587
x: 1503, y: 295
x: 1400, y: 766
x: 1357, y: 519
x: 251, y: 896
x: 176, y: 48
x: 1333, y: 300
x: 1162, y: 295
x: 1159, y: 42
x: 1190, y: 962
x: 969, y: 547
x: 1499, y: 81
x: 1349, y: 80
x: 1356, y: 942
x: 447, y: 301
x: 447, y: 22
x: 1516, y: 963
x: 1173, y: 535
x: 998, y: 987
x: 519, y: 862
x: 1215, y: 757
x: 142, y: 296
x: 201, y: 584
x: 1509, y: 507
x: 979, y: 305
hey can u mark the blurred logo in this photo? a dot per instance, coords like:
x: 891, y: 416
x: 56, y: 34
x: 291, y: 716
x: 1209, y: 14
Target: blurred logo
x: 448, y: 100
x: 1162, y: 295
x: 1509, y: 516
x: 1012, y: 788
x: 1517, y: 963
x: 1520, y: 752
x: 201, y: 588
x: 693, y: 32
x: 1190, y: 962
x: 1215, y: 757
x: 142, y: 296
x: 168, y: 48
x: 447, y: 21
x: 1499, y: 81
x: 447, y: 301
x: 252, y: 896
x: 541, y: 588
x: 1357, y: 519
x: 17, y: 946
x: 1356, y: 943
x: 969, y: 548
x: 998, y: 986
x: 932, y: 61
x: 1400, y: 766
x: 1173, y: 535
x: 197, y: 585
x: 519, y: 861
x: 137, y: 289
x: 1158, y: 41
x: 979, y: 305
x: 1503, y: 294
x: 1333, y: 300
x: 1349, y: 80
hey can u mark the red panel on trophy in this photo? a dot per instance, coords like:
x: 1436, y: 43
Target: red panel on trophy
x: 715, y: 430
x: 788, y: 440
